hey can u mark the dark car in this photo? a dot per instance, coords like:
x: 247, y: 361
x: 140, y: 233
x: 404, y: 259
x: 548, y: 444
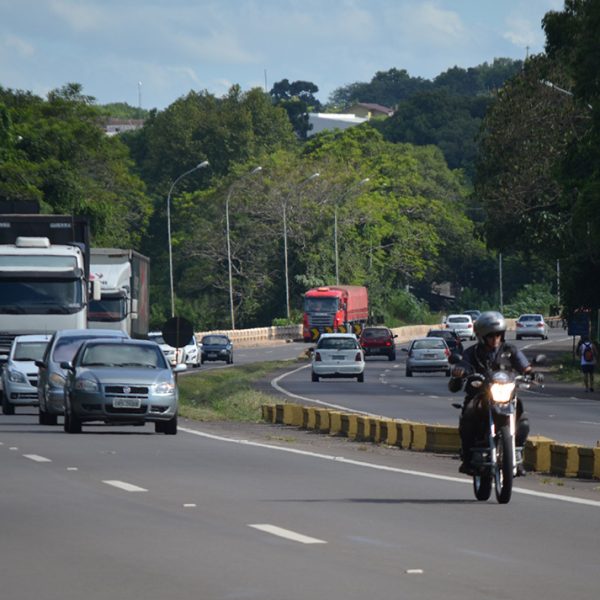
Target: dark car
x: 378, y: 341
x: 451, y: 338
x: 217, y: 347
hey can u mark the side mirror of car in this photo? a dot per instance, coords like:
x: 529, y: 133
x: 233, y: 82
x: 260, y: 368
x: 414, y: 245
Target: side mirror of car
x: 67, y: 365
x: 395, y: 335
x: 404, y: 349
x: 40, y: 364
x: 179, y: 367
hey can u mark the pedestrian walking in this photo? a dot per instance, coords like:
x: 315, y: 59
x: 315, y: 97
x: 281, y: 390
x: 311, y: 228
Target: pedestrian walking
x: 588, y: 356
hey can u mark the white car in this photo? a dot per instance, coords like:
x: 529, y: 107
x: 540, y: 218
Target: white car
x: 338, y: 355
x: 190, y: 354
x: 462, y: 325
x: 532, y: 325
x: 20, y: 373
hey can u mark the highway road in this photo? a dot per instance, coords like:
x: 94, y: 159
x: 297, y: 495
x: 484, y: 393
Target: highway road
x: 563, y: 412
x: 230, y: 511
x: 225, y: 512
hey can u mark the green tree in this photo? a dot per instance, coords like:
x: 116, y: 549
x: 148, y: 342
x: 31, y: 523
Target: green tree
x: 297, y: 99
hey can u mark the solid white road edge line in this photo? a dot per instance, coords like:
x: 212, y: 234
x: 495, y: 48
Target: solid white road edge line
x: 123, y: 485
x: 287, y: 534
x: 37, y: 458
x: 358, y: 463
x: 275, y: 384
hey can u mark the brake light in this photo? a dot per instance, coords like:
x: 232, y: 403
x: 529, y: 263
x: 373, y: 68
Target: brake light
x: 540, y: 324
x: 317, y: 357
x: 470, y: 325
x: 519, y: 324
x: 358, y: 357
x: 388, y: 343
x: 447, y: 352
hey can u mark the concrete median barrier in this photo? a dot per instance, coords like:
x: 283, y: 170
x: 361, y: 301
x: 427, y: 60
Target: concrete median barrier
x: 541, y: 454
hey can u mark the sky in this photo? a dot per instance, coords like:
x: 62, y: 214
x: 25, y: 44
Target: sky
x: 151, y: 53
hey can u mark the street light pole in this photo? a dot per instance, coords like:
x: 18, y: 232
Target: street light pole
x: 285, y: 244
x: 335, y: 226
x: 255, y: 170
x: 201, y: 165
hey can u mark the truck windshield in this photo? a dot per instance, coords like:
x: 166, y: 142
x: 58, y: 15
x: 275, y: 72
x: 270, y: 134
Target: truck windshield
x: 312, y: 305
x: 40, y: 296
x: 107, y: 310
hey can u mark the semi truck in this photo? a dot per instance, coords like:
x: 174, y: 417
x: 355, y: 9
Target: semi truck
x: 331, y: 309
x: 124, y: 282
x: 44, y: 275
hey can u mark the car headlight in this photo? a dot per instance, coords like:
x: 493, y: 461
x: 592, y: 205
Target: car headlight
x: 164, y: 387
x: 87, y: 385
x: 17, y: 377
x: 57, y: 380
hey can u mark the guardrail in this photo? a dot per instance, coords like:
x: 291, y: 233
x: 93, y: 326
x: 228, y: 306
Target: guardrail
x: 541, y: 454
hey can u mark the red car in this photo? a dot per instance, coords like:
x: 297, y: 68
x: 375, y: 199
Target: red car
x: 378, y: 341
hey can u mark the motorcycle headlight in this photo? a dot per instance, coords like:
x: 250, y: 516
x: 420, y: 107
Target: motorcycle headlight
x: 17, y: 377
x: 57, y: 380
x: 502, y: 392
x: 86, y: 385
x: 164, y: 387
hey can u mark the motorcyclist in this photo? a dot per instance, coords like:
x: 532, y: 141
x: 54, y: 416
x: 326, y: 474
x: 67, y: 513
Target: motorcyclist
x: 490, y: 353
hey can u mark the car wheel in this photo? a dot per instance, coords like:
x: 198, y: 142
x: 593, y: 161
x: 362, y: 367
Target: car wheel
x: 202, y: 360
x: 408, y: 373
x: 230, y: 359
x: 314, y: 377
x: 72, y: 423
x: 7, y: 407
x: 170, y: 427
x: 46, y: 418
x: 447, y: 372
x: 159, y: 427
x: 360, y: 378
x: 518, y: 337
x: 392, y: 356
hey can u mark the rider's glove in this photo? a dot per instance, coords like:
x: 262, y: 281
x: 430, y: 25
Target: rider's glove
x: 537, y: 377
x: 455, y: 384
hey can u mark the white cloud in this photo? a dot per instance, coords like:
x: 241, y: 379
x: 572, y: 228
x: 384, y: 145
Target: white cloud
x: 22, y: 47
x: 82, y: 16
x: 431, y: 24
x: 521, y: 32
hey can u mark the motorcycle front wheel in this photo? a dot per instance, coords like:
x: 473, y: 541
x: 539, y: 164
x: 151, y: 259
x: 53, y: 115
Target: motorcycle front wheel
x: 504, y: 465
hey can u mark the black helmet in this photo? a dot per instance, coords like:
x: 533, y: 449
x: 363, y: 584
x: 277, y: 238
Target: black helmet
x: 489, y: 322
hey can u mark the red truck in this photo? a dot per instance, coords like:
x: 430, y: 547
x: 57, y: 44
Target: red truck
x: 336, y: 308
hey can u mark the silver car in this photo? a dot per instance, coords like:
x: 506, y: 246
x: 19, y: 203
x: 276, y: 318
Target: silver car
x: 20, y: 373
x: 427, y: 355
x: 51, y: 381
x: 121, y: 381
x: 532, y: 325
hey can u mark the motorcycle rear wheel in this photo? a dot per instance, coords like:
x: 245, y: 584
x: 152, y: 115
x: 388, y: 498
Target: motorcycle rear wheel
x: 482, y: 486
x: 504, y: 467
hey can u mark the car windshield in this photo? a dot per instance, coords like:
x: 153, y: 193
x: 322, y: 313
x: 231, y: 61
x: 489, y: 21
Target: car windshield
x: 157, y: 338
x: 337, y: 344
x: 66, y: 348
x: 30, y: 350
x: 464, y: 319
x: 429, y: 344
x: 122, y: 356
x: 447, y: 335
x: 375, y: 333
x: 215, y: 340
x: 530, y: 318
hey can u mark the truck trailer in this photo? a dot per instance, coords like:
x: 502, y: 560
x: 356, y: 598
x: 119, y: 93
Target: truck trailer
x: 124, y: 282
x: 44, y: 275
x: 340, y: 308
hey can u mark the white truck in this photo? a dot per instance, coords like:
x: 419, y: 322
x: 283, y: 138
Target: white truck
x: 124, y: 280
x: 44, y: 266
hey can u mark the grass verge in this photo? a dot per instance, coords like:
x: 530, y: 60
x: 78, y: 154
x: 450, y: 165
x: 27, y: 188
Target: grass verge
x: 226, y: 394
x: 566, y: 369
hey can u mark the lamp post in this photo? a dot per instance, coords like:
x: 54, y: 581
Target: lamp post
x: 201, y: 165
x: 255, y: 170
x: 285, y: 245
x: 335, y: 227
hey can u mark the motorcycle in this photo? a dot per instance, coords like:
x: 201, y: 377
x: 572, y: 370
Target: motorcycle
x: 494, y: 456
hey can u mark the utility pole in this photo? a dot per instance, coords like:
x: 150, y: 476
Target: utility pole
x: 500, y: 281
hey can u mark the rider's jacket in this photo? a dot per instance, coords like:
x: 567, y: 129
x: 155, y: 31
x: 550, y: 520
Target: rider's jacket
x: 478, y: 359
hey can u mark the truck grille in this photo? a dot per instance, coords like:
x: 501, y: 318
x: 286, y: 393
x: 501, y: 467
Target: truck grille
x: 320, y: 320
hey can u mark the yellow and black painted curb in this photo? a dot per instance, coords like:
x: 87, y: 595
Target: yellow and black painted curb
x: 541, y: 454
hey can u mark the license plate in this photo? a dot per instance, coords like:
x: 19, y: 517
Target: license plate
x: 212, y: 354
x: 127, y: 403
x: 338, y: 357
x: 429, y: 356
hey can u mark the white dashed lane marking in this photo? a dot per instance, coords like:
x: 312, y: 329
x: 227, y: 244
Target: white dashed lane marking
x: 123, y: 485
x: 37, y: 458
x: 287, y: 534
